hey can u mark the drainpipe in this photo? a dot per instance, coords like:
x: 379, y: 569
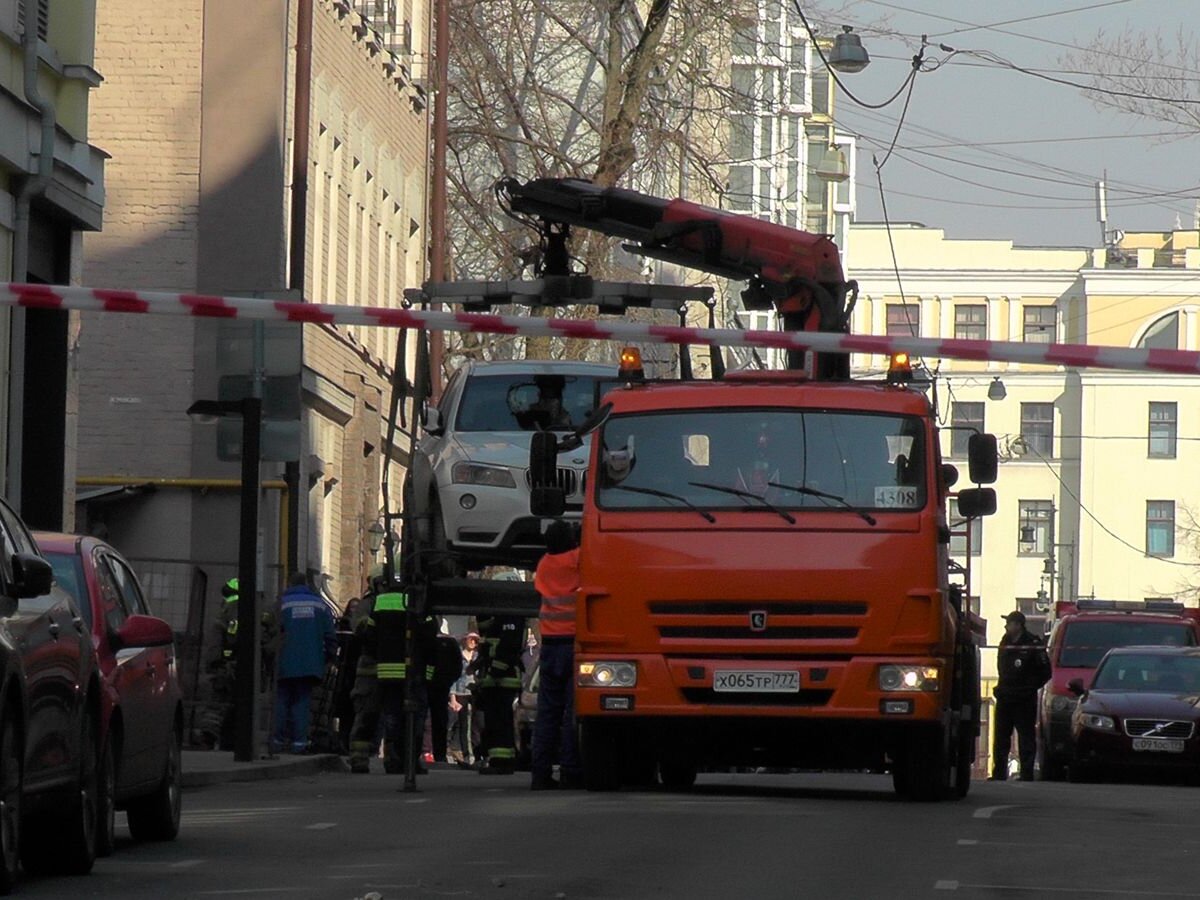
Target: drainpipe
x: 31, y: 186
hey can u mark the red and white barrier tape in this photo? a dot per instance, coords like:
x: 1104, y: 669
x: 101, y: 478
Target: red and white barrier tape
x: 38, y: 296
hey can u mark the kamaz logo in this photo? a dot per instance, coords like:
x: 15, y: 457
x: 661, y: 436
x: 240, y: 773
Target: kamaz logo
x: 758, y: 620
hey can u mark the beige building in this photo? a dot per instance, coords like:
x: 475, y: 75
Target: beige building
x: 220, y: 118
x: 1095, y: 491
x: 51, y: 191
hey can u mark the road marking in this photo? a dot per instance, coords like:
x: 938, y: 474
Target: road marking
x: 274, y: 890
x: 947, y: 885
x: 320, y: 826
x: 418, y: 800
x: 186, y: 863
x: 986, y: 812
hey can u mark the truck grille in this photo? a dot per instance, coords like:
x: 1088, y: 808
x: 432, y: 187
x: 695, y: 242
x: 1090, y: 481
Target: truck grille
x: 784, y: 620
x: 1163, y: 728
x: 567, y: 479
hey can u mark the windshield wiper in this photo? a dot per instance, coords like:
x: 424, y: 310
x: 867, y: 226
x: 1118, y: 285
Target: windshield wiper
x: 749, y: 495
x: 813, y: 492
x: 655, y: 492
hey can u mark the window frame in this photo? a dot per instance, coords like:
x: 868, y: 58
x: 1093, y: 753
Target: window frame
x: 959, y: 435
x: 970, y: 328
x: 1171, y: 424
x: 1031, y: 435
x: 910, y: 313
x: 1155, y: 524
x: 960, y: 542
x: 1040, y: 515
x: 1036, y: 331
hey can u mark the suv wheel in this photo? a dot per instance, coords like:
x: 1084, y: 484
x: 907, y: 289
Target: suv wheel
x: 10, y: 803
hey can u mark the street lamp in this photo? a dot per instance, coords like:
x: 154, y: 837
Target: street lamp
x: 848, y: 54
x: 375, y: 535
x: 245, y: 671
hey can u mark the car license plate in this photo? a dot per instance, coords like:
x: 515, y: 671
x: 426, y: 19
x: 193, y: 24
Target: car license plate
x: 1158, y: 745
x: 756, y: 681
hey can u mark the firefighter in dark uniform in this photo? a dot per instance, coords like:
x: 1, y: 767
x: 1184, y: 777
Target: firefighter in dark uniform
x: 498, y: 670
x: 217, y: 722
x: 365, y: 693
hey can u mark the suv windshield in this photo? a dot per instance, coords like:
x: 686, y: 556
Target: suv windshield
x: 793, y: 459
x: 525, y: 402
x: 1085, y: 643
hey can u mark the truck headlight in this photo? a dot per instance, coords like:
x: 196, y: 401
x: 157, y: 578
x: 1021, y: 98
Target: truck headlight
x: 474, y: 473
x: 607, y: 674
x: 1098, y: 723
x: 909, y: 678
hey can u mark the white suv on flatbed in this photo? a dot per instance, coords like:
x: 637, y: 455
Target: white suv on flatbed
x: 470, y: 473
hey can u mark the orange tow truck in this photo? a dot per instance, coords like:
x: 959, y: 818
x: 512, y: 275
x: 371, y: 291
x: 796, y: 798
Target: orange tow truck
x: 765, y: 575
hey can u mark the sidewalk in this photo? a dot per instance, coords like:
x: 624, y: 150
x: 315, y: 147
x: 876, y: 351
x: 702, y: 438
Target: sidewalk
x: 205, y: 767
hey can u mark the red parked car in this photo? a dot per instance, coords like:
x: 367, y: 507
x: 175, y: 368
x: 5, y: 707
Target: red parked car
x: 142, y: 719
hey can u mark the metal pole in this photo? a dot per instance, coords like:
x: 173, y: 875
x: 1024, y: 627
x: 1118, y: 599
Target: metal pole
x: 437, y: 200
x: 246, y: 672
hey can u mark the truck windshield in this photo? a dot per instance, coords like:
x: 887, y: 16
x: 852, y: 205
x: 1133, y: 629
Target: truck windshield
x: 1085, y: 643
x: 844, y: 459
x: 526, y: 402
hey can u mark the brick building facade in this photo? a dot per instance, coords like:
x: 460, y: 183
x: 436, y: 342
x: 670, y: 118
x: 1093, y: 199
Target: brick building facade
x: 199, y: 114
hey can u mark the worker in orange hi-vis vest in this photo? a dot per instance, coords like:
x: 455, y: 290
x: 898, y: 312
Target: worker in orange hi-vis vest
x: 557, y: 580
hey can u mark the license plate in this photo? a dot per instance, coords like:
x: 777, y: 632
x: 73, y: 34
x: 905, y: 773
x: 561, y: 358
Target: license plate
x: 756, y: 682
x: 1158, y: 745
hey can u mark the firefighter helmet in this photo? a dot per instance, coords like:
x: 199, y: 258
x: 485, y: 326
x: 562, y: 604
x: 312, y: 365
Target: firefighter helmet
x: 230, y: 588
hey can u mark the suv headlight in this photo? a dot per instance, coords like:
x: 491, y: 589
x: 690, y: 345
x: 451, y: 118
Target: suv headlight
x: 607, y: 674
x: 1062, y: 703
x: 474, y: 473
x: 1099, y: 723
x: 909, y: 678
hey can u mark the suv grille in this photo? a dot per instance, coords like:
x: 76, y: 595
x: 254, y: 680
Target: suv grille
x: 568, y: 480
x: 1162, y: 728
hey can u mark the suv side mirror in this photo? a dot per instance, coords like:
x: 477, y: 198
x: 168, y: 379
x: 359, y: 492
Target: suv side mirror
x: 594, y: 420
x: 32, y: 575
x: 982, y: 458
x: 433, y: 421
x: 976, y: 502
x: 546, y: 498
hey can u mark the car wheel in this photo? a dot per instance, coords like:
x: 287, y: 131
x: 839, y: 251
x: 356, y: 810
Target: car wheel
x: 677, y: 774
x: 921, y: 770
x: 65, y: 843
x: 106, y: 800
x: 10, y: 803
x: 155, y: 817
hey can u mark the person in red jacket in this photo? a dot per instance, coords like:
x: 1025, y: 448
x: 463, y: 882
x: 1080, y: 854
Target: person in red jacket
x: 557, y: 580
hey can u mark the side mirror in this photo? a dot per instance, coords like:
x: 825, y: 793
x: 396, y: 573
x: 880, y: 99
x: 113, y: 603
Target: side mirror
x: 1075, y: 686
x: 976, y: 502
x: 32, y: 575
x: 433, y: 421
x: 950, y: 474
x: 145, y: 631
x: 983, y: 458
x: 594, y: 420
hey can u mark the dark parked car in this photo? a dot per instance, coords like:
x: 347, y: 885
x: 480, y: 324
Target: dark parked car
x: 1139, y: 714
x: 50, y: 703
x: 143, y: 706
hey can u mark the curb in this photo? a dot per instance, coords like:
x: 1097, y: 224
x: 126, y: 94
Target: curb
x: 265, y: 770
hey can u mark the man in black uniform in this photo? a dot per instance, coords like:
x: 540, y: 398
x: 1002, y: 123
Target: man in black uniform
x: 498, y: 670
x: 1023, y: 668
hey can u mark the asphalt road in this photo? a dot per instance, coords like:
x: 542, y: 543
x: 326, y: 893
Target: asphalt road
x: 339, y: 836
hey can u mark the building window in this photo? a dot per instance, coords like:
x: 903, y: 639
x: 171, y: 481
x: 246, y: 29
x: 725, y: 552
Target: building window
x: 964, y: 533
x: 963, y: 418
x: 1163, y: 334
x: 1040, y: 324
x: 1160, y: 527
x: 903, y: 320
x: 970, y: 322
x: 1037, y: 427
x: 1035, y: 527
x: 1163, y: 420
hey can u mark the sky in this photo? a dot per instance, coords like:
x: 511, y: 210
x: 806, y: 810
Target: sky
x: 987, y: 152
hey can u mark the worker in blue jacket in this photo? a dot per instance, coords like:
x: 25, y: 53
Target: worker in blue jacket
x: 309, y: 644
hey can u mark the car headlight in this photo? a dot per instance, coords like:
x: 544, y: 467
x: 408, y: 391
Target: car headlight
x: 474, y: 473
x: 1062, y: 703
x: 607, y: 674
x: 909, y: 678
x: 1099, y: 723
